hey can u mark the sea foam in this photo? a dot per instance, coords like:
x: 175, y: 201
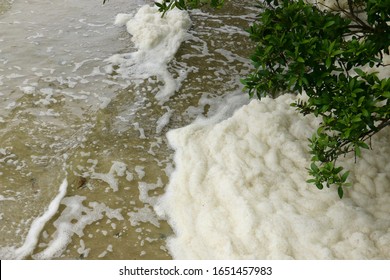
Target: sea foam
x: 37, y: 226
x: 157, y: 40
x: 239, y: 191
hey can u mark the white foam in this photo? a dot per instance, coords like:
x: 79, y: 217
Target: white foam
x: 3, y: 198
x: 146, y: 214
x: 28, y: 89
x: 73, y: 220
x: 140, y: 130
x: 143, y: 215
x: 117, y: 169
x: 105, y: 252
x: 144, y: 190
x: 121, y: 19
x: 239, y: 191
x: 82, y: 250
x: 140, y: 170
x: 157, y: 40
x: 37, y: 225
x: 163, y: 121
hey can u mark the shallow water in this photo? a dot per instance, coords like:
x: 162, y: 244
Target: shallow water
x: 67, y: 112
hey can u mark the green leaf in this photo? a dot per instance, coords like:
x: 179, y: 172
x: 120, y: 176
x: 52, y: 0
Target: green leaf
x: 358, y: 152
x: 361, y: 99
x: 365, y: 113
x: 337, y: 52
x: 344, y: 177
x: 356, y: 119
x: 329, y: 23
x: 314, y: 167
x: 340, y: 192
x: 363, y: 145
x: 328, y: 62
x: 360, y: 72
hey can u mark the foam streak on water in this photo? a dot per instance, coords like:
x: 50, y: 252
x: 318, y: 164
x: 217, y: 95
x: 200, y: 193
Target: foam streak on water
x: 36, y: 227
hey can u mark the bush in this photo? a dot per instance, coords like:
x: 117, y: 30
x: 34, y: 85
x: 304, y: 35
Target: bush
x: 300, y: 48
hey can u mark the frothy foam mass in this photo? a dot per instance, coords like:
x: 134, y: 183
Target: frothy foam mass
x: 157, y: 40
x: 239, y: 191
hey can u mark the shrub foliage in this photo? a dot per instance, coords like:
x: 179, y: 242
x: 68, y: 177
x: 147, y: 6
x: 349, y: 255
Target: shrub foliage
x: 326, y: 54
